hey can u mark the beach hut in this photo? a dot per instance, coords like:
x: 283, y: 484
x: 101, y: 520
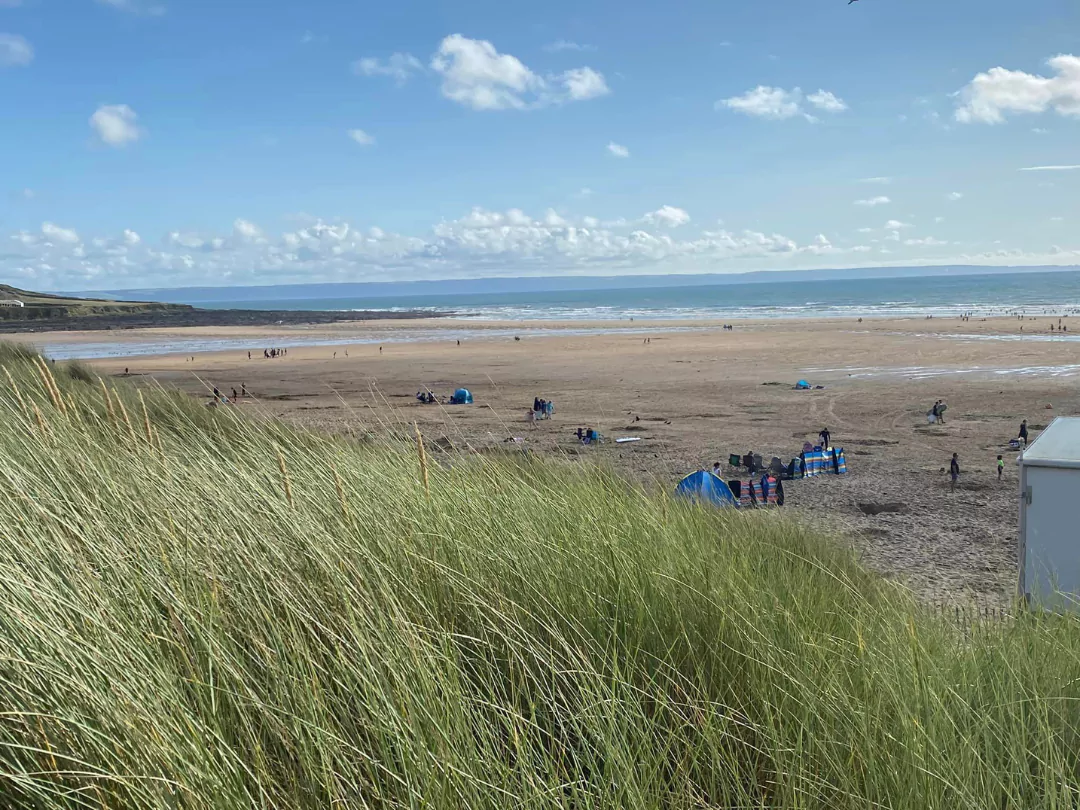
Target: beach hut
x: 1049, y: 491
x: 461, y: 397
x: 705, y: 487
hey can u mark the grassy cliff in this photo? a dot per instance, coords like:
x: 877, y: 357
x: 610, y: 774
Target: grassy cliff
x: 201, y: 611
x: 44, y: 306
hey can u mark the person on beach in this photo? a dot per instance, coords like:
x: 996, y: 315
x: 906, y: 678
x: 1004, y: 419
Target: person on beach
x: 234, y: 396
x: 1024, y: 432
x: 716, y: 469
x: 1001, y: 467
x: 826, y: 438
x: 954, y: 472
x: 243, y: 389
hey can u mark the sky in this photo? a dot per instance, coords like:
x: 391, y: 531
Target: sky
x: 171, y: 143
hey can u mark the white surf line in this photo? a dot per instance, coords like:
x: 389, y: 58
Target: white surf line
x: 930, y: 372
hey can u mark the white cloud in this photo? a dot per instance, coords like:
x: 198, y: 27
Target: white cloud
x: 873, y: 202
x: 582, y: 84
x: 865, y: 230
x: 993, y: 94
x: 778, y: 104
x: 115, y: 124
x: 476, y: 75
x: 895, y: 225
x: 668, y: 216
x: 1040, y: 131
x: 584, y: 193
x: 361, y: 137
x: 564, y: 45
x: 764, y: 102
x: 618, y: 150
x: 15, y: 51
x: 131, y: 238
x: 1049, y: 168
x: 953, y: 196
x: 929, y: 241
x: 246, y: 230
x: 55, y: 233
x: 399, y: 67
x: 881, y: 181
x: 824, y: 100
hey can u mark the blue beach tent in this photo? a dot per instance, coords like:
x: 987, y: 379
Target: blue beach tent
x: 461, y: 397
x: 802, y: 385
x: 704, y: 486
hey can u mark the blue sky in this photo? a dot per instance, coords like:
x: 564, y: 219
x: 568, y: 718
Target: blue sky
x: 171, y: 143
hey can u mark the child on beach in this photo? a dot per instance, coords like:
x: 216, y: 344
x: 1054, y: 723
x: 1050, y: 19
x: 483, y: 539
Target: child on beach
x: 1001, y: 467
x: 954, y: 471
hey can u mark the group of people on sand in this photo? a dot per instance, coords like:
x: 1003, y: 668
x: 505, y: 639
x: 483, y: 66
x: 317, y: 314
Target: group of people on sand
x: 272, y: 354
x: 936, y: 414
x: 426, y: 397
x: 221, y: 399
x: 728, y: 327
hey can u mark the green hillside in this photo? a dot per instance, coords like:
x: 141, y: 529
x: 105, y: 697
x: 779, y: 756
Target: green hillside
x: 43, y: 306
x: 200, y: 610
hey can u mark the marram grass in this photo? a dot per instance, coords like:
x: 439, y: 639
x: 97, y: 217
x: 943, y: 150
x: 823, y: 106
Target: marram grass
x: 203, y: 611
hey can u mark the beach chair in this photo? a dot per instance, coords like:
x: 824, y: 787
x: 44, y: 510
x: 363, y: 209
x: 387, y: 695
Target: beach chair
x: 734, y: 460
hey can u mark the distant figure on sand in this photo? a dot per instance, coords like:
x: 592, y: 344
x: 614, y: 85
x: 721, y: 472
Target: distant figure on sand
x: 954, y: 472
x: 243, y: 389
x: 826, y: 438
x: 716, y: 468
x: 1024, y: 432
x: 1001, y: 467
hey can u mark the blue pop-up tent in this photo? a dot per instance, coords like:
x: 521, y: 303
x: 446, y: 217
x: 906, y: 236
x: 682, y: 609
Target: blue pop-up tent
x: 461, y: 397
x: 802, y: 385
x: 706, y: 487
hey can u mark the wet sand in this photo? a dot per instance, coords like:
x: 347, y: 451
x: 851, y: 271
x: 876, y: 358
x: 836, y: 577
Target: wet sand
x: 694, y: 397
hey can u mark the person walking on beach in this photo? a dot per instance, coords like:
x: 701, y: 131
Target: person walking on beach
x: 1024, y: 432
x: 954, y: 472
x: 826, y: 438
x: 1001, y: 467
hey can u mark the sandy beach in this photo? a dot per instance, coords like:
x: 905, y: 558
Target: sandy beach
x: 694, y: 394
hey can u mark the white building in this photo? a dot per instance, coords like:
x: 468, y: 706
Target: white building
x: 1049, y: 527
x: 11, y: 302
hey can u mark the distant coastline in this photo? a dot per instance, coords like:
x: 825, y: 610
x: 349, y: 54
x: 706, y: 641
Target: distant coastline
x: 205, y: 317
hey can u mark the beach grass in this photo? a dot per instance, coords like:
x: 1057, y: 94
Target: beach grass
x: 202, y: 610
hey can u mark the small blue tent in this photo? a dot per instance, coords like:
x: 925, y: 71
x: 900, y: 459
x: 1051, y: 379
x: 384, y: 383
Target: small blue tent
x: 802, y: 385
x: 461, y: 397
x: 704, y: 486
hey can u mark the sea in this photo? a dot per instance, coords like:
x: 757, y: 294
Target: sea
x: 592, y: 311
x: 940, y: 296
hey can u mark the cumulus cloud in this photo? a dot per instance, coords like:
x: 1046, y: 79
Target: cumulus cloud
x: 778, y: 104
x: 361, y: 137
x: 953, y: 196
x: 668, y: 216
x: 618, y: 150
x: 895, y: 225
x: 928, y: 241
x: 398, y: 66
x: 992, y: 95
x: 15, y: 51
x: 116, y: 124
x: 475, y: 75
x: 826, y: 101
x: 483, y: 242
x: 873, y: 202
x: 55, y: 233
